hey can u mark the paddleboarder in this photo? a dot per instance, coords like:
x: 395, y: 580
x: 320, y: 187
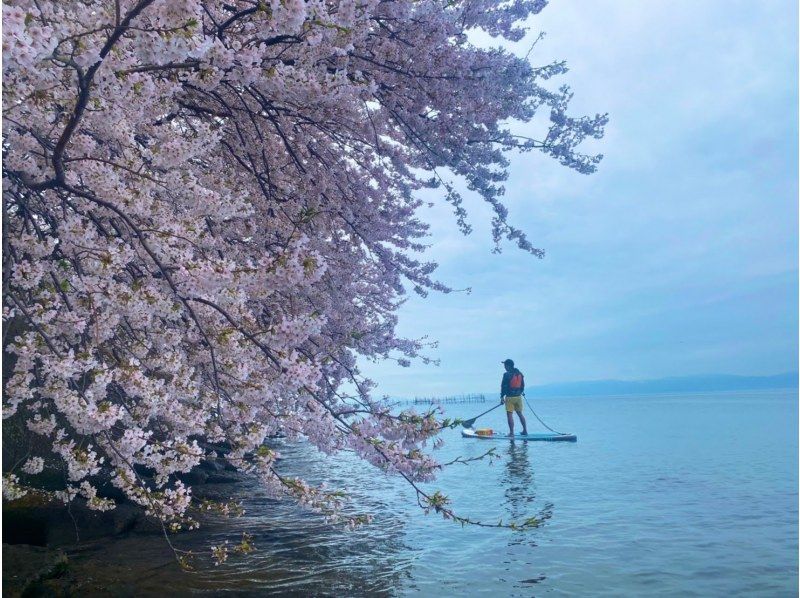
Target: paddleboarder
x: 511, y: 389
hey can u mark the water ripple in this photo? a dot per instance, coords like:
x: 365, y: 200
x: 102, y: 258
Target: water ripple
x: 672, y: 495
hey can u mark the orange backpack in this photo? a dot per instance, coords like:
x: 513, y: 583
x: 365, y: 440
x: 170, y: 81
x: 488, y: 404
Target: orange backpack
x: 516, y: 382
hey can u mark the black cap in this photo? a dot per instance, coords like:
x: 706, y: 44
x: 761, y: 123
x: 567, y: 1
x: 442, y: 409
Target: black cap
x: 509, y: 362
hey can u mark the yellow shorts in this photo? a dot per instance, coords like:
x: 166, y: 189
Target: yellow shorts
x: 514, y: 404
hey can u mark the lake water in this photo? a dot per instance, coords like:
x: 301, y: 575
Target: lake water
x: 673, y: 495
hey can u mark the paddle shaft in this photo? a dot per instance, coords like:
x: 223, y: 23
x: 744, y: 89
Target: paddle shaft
x: 468, y: 423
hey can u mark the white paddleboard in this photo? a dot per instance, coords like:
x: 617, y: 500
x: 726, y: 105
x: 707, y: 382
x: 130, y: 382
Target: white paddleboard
x: 544, y: 436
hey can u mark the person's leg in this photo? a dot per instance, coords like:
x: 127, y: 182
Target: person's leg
x: 523, y: 422
x: 510, y: 415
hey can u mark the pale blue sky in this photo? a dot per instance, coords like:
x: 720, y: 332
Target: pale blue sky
x: 679, y: 256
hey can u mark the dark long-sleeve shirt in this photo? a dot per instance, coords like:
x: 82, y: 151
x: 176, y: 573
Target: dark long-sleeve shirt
x: 505, y: 390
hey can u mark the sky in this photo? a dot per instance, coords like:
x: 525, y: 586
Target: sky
x: 679, y: 256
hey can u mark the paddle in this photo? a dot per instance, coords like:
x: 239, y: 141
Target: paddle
x: 468, y: 423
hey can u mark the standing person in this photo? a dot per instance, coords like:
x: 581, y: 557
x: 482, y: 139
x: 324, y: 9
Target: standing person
x: 511, y: 389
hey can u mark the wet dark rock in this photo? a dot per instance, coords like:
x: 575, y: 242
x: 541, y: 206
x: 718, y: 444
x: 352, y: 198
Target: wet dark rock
x: 219, y: 448
x: 94, y: 524
x: 50, y: 479
x: 218, y: 478
x: 27, y: 520
x: 108, y: 490
x: 148, y: 525
x: 33, y: 571
x: 194, y: 477
x: 212, y: 465
x: 144, y: 471
x: 40, y: 522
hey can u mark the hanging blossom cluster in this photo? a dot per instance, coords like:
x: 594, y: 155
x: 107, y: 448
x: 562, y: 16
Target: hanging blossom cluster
x: 209, y: 213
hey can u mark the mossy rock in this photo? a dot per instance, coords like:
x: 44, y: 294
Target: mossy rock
x: 27, y: 520
x: 36, y: 521
x: 33, y: 571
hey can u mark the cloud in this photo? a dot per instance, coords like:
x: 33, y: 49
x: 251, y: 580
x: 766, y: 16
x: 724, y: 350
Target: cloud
x: 679, y: 255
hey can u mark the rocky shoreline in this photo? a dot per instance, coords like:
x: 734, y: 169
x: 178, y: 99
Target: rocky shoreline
x: 40, y: 533
x: 33, y: 570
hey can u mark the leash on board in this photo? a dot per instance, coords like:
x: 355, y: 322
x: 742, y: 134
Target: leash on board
x: 539, y: 418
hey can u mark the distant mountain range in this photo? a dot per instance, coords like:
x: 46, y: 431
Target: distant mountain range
x: 708, y: 382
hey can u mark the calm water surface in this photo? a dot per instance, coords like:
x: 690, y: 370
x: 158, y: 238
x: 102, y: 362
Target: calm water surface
x: 690, y: 494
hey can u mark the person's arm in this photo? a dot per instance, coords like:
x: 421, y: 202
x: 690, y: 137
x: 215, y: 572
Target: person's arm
x: 503, y: 384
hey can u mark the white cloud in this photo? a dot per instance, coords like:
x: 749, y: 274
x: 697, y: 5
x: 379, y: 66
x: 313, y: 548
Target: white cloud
x: 679, y: 255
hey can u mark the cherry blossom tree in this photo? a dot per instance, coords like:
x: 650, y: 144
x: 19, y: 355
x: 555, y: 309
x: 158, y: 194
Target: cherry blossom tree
x: 210, y: 214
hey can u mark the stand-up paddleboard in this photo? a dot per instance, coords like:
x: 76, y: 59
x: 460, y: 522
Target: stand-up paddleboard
x: 492, y: 435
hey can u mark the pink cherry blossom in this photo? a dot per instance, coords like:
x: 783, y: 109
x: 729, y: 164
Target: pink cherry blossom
x: 210, y: 214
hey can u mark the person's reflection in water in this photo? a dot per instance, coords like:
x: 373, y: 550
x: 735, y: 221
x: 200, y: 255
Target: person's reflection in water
x: 520, y: 493
x: 518, y: 481
x: 520, y: 490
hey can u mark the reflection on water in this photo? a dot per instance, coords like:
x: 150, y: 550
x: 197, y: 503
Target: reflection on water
x: 649, y: 501
x: 297, y: 553
x: 517, y: 480
x: 519, y: 489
